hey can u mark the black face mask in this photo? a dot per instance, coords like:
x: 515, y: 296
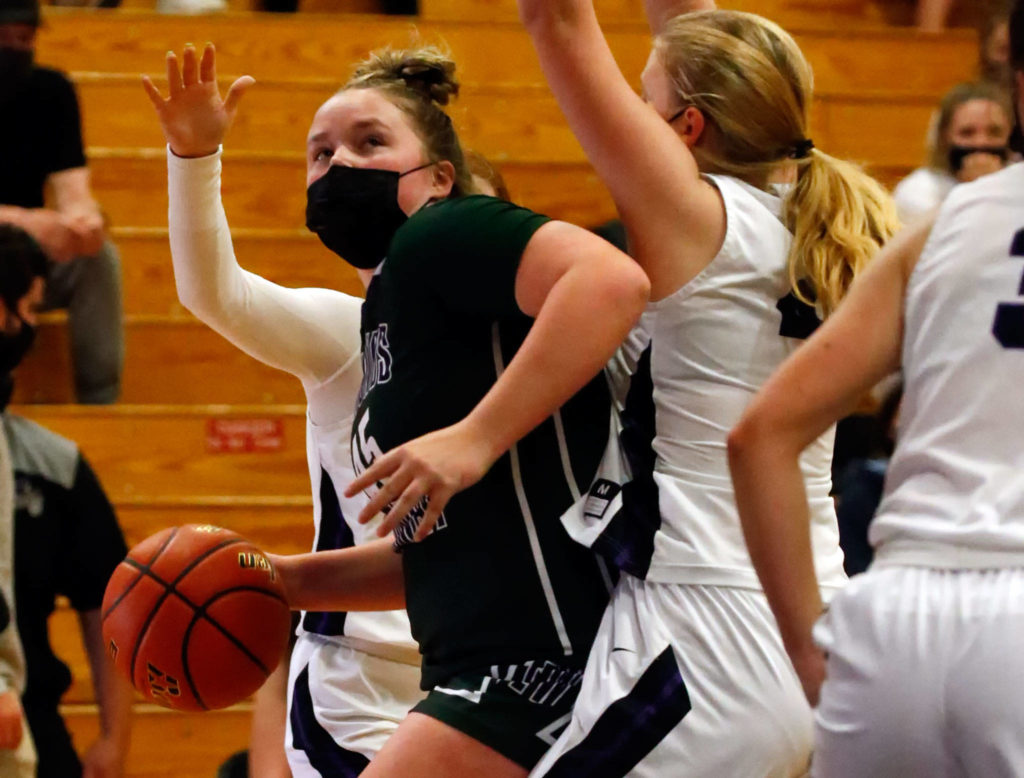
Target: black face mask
x: 354, y: 211
x: 15, y: 70
x: 14, y: 347
x: 957, y: 154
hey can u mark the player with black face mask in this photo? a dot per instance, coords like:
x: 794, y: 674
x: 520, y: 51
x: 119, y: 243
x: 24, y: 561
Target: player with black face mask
x: 476, y: 310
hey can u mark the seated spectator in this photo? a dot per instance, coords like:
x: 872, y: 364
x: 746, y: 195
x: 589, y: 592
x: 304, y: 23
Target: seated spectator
x: 994, y: 45
x: 41, y: 147
x: 66, y: 542
x: 932, y: 15
x: 968, y: 140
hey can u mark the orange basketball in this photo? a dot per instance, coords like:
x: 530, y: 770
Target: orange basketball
x: 195, y: 617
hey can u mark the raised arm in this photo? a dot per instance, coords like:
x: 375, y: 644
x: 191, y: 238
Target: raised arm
x: 675, y: 219
x: 820, y: 383
x: 310, y: 333
x: 585, y: 296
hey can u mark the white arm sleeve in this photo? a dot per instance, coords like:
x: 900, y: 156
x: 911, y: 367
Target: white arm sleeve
x: 310, y: 333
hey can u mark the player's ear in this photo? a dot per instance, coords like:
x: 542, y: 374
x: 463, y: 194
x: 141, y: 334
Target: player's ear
x: 690, y: 126
x: 444, y: 180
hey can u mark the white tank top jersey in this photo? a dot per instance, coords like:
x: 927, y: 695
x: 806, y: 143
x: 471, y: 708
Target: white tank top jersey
x: 700, y: 355
x: 328, y: 453
x: 954, y: 493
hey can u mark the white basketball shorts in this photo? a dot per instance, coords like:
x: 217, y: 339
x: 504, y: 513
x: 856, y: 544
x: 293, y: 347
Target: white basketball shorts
x: 685, y: 680
x: 925, y: 675
x: 342, y: 705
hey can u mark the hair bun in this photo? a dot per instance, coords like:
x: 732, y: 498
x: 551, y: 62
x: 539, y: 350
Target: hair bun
x: 428, y: 71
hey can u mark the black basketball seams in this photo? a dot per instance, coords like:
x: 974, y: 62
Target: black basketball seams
x: 201, y: 613
x: 142, y: 568
x: 171, y: 587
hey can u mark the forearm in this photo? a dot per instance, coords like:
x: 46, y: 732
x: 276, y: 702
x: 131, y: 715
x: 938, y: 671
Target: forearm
x: 19, y: 217
x: 113, y: 693
x: 72, y: 193
x: 772, y: 502
x: 585, y: 317
x: 291, y: 329
x: 362, y: 578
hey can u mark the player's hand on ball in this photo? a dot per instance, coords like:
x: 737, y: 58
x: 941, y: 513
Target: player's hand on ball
x: 11, y: 720
x: 193, y: 117
x: 434, y: 466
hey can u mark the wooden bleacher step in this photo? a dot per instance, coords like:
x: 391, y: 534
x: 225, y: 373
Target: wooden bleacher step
x: 161, y: 451
x: 297, y: 46
x: 280, y: 524
x: 170, y: 744
x: 785, y: 12
x: 169, y: 359
x: 517, y: 124
x: 293, y: 258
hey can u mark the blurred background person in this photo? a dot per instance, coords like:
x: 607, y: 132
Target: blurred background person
x: 67, y: 542
x: 968, y: 139
x: 41, y: 147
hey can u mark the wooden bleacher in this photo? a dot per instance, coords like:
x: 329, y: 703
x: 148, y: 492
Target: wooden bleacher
x: 876, y: 87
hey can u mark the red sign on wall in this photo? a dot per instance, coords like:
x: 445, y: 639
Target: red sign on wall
x: 244, y: 436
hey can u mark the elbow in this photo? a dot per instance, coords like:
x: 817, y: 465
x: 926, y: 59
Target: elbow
x: 747, y: 436
x: 624, y: 287
x: 190, y: 298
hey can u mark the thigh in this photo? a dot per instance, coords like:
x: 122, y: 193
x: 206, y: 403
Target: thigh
x: 881, y: 708
x: 424, y: 747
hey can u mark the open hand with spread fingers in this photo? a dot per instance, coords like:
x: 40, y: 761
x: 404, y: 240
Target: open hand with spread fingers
x: 433, y: 467
x: 193, y: 117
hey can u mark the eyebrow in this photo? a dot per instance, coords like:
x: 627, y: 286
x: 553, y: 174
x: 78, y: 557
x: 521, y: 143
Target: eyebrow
x: 359, y: 125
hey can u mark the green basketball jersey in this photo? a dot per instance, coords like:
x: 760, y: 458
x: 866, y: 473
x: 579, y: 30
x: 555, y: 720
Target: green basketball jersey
x: 498, y: 580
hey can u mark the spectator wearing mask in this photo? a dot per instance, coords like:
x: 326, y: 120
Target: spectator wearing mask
x: 66, y: 542
x: 968, y: 140
x: 41, y: 147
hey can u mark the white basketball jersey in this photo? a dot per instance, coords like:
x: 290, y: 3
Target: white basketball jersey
x: 384, y: 633
x: 699, y: 356
x: 954, y: 493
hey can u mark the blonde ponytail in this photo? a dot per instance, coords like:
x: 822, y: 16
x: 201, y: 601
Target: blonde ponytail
x: 839, y: 217
x: 751, y: 82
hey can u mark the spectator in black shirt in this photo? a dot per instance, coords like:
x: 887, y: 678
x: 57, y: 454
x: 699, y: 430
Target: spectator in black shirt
x: 40, y: 146
x: 66, y: 543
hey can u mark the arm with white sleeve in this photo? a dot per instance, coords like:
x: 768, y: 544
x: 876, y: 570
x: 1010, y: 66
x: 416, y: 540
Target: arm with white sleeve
x: 310, y: 333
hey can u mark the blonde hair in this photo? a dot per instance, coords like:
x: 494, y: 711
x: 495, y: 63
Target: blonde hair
x: 420, y: 81
x: 750, y: 81
x: 482, y: 168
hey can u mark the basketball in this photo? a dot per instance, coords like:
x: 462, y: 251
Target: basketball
x: 195, y: 617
